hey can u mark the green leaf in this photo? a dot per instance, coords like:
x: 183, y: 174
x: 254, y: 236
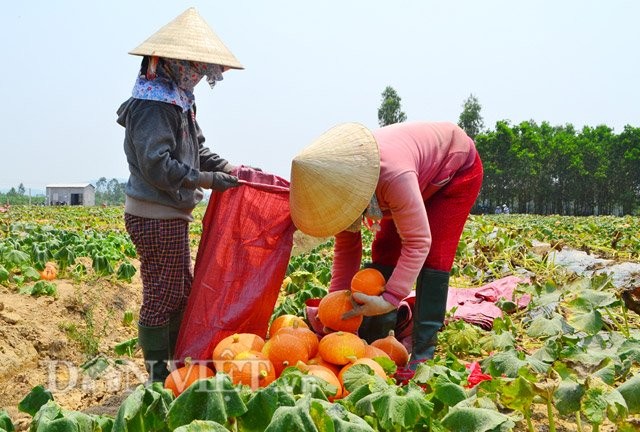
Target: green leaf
x: 95, y: 366
x: 630, y: 391
x: 261, y: 407
x: 202, y: 426
x: 295, y: 418
x: 16, y: 258
x: 518, y: 394
x: 396, y: 407
x: 52, y: 418
x: 5, y: 422
x: 126, y: 271
x: 127, y: 347
x: 34, y: 400
x: 588, y: 322
x: 213, y: 399
x: 506, y: 363
x: 469, y: 419
x: 594, y: 405
x: 144, y: 409
x: 567, y: 397
x: 544, y: 327
x: 101, y: 265
x: 4, y: 274
x: 448, y: 392
x: 590, y: 299
x: 65, y: 257
x: 617, y: 406
x: 30, y: 273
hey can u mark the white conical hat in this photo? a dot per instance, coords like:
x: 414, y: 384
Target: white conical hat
x: 188, y: 37
x: 333, y: 180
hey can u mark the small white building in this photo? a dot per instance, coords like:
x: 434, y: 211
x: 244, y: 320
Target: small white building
x: 82, y: 194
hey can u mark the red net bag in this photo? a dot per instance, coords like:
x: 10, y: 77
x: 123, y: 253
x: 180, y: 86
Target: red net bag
x: 242, y: 258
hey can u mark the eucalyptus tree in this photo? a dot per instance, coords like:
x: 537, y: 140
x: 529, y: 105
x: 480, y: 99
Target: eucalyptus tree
x: 390, y: 110
x: 470, y: 119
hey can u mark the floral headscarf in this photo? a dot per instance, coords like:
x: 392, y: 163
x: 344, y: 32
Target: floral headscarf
x: 172, y: 81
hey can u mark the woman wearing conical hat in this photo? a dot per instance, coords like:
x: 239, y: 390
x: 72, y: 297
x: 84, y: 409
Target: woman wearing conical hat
x: 169, y: 166
x: 414, y: 184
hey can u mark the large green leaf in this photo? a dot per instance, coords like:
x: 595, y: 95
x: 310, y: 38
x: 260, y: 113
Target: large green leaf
x: 52, y: 418
x: 588, y: 322
x: 396, y: 407
x: 469, y: 419
x: 543, y: 327
x: 567, y: 397
x: 34, y: 400
x: 213, y: 399
x: 262, y: 405
x: 630, y: 391
x: 202, y: 426
x: 5, y: 422
x: 144, y: 409
x: 309, y: 414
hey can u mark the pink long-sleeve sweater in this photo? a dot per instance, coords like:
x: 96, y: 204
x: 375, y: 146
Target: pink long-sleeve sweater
x: 416, y: 159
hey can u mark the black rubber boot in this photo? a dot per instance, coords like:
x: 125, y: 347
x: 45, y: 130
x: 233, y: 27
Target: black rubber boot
x: 378, y: 327
x: 154, y: 342
x: 432, y: 288
x: 174, y: 328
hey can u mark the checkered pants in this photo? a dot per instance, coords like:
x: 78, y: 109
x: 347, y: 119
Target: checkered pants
x: 165, y: 266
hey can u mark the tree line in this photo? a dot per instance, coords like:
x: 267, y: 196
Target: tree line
x: 545, y: 169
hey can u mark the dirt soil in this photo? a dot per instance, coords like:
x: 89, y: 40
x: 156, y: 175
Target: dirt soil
x: 45, y: 340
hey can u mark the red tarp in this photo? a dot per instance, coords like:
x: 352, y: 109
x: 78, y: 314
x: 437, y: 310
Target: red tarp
x: 242, y: 259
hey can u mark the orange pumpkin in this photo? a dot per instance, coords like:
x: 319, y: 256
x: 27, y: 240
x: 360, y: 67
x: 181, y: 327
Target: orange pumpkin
x: 285, y: 350
x: 373, y: 352
x: 341, y: 347
x: 234, y: 344
x: 368, y: 281
x: 251, y: 368
x: 394, y: 348
x: 286, y: 320
x: 319, y: 361
x: 333, y: 306
x: 49, y: 272
x: 325, y: 374
x: 180, y: 379
x: 304, y: 333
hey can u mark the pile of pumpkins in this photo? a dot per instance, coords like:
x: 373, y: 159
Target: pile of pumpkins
x: 251, y: 360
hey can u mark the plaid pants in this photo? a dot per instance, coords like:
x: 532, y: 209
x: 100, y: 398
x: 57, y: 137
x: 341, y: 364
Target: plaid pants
x: 165, y: 266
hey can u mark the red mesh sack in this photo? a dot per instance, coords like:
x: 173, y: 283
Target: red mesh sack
x: 242, y: 258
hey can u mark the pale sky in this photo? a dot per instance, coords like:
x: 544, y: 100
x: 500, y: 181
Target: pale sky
x: 309, y: 65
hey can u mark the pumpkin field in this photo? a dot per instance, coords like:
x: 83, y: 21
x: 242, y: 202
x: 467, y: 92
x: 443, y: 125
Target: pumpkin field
x: 561, y: 354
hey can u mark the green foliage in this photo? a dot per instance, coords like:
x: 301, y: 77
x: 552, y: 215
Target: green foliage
x: 548, y: 169
x: 470, y: 119
x: 390, y: 110
x: 34, y: 400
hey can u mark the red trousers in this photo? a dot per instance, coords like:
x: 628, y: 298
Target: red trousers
x: 447, y: 211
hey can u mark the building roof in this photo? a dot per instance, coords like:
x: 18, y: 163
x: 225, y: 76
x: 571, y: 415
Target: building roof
x: 68, y: 185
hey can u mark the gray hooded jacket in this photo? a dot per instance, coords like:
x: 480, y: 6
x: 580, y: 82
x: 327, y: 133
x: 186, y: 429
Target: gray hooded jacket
x: 165, y: 153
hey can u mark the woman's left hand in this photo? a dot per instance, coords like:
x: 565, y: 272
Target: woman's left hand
x: 368, y: 305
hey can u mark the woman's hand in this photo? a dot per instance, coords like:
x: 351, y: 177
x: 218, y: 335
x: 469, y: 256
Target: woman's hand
x: 368, y: 305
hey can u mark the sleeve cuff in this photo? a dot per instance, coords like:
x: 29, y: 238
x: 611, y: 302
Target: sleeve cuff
x: 391, y: 298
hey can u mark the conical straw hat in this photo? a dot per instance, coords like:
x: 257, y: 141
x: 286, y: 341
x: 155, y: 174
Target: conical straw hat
x: 333, y: 180
x: 188, y: 37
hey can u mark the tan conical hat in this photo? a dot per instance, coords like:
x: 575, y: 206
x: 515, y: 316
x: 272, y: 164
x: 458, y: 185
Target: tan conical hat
x: 188, y: 37
x: 333, y: 180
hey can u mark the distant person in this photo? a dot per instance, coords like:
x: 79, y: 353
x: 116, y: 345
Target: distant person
x: 505, y: 209
x: 168, y: 168
x: 498, y: 210
x: 414, y: 184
